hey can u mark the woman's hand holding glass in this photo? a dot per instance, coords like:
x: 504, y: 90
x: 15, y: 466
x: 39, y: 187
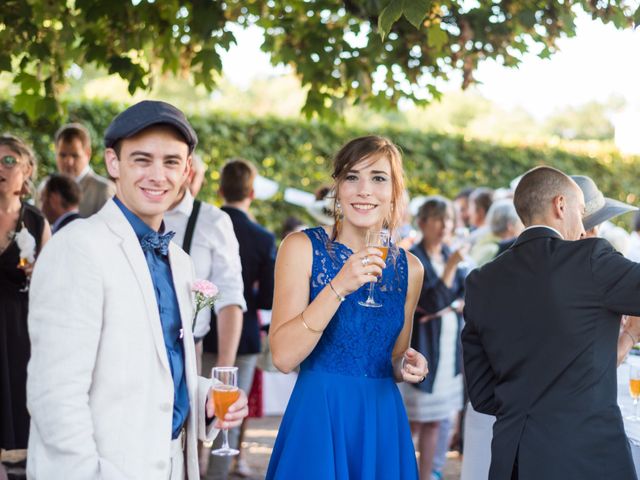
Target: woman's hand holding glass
x: 362, y: 267
x: 414, y: 366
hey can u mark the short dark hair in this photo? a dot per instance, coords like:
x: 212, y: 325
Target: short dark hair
x: 536, y: 189
x: 464, y: 193
x: 71, y: 131
x: 482, y: 197
x: 66, y: 187
x: 236, y: 179
x: 435, y: 206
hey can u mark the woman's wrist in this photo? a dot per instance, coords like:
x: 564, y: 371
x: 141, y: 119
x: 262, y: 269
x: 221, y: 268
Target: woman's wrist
x: 340, y: 296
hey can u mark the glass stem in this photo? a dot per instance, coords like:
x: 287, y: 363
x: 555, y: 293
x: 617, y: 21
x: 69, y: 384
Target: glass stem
x: 635, y: 407
x: 225, y: 439
x: 371, y: 285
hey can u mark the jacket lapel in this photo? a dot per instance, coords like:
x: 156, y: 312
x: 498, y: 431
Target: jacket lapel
x: 117, y: 222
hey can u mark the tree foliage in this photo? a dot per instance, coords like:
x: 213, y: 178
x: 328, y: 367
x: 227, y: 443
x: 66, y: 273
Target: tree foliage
x: 372, y: 51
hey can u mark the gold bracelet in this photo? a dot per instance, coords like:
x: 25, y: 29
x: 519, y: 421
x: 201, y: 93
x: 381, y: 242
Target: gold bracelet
x: 308, y: 327
x: 630, y: 336
x: 340, y: 297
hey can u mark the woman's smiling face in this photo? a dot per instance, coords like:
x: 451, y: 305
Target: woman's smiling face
x: 366, y: 192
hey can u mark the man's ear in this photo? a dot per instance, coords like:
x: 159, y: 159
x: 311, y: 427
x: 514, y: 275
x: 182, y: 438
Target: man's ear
x: 189, y: 168
x: 112, y: 162
x: 252, y: 195
x: 559, y: 206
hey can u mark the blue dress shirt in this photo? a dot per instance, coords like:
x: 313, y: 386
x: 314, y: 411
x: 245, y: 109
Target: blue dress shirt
x: 169, y: 310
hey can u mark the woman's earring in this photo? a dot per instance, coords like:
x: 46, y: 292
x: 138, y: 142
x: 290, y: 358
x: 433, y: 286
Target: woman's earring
x: 338, y: 209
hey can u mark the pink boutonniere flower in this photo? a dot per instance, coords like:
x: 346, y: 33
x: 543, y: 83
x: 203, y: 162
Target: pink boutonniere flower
x: 206, y: 293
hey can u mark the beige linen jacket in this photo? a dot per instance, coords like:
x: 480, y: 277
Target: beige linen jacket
x: 99, y: 387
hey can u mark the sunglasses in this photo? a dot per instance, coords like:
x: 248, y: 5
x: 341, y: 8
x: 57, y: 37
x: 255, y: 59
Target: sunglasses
x: 9, y: 161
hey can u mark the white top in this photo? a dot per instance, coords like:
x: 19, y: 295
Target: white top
x: 633, y: 250
x: 215, y: 254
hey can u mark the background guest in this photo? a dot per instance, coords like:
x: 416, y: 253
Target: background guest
x: 436, y: 332
x: 504, y: 226
x: 257, y: 255
x: 23, y: 233
x: 480, y: 201
x: 60, y: 200
x: 461, y: 204
x: 73, y: 153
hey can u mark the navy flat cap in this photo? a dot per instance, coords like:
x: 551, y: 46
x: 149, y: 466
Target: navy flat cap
x: 144, y: 114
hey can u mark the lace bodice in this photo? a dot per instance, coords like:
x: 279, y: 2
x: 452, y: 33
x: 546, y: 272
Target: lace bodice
x: 358, y: 341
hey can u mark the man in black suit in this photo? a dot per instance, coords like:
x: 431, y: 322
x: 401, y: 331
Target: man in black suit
x: 257, y: 255
x: 60, y: 199
x: 540, y: 341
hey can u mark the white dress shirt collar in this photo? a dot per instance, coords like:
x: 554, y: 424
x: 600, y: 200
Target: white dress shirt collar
x: 543, y: 226
x: 83, y: 173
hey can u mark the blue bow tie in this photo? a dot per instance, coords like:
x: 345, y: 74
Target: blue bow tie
x: 157, y: 243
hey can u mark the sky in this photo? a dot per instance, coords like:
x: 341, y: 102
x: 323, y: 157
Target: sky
x: 599, y: 62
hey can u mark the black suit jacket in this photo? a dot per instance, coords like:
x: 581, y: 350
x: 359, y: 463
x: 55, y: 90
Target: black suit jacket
x: 539, y: 347
x: 257, y: 256
x: 66, y: 221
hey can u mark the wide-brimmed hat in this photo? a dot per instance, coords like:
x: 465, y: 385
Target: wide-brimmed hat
x: 598, y: 208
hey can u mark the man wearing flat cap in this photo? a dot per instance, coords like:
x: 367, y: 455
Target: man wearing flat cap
x: 112, y: 385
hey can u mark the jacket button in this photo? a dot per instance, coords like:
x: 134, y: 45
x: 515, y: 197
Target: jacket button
x: 165, y: 407
x: 160, y: 465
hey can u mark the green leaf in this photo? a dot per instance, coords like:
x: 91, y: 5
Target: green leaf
x: 636, y: 17
x: 437, y: 37
x: 26, y: 102
x: 527, y: 18
x: 27, y: 82
x: 415, y: 11
x: 389, y: 15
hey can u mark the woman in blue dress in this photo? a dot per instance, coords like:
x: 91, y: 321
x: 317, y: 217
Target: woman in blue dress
x: 345, y: 419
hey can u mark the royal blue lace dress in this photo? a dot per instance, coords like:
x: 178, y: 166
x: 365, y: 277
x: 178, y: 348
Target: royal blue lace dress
x: 345, y: 419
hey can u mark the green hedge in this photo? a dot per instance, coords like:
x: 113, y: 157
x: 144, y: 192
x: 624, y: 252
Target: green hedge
x: 298, y: 154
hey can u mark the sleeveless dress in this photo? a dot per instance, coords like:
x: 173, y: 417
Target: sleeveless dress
x: 345, y: 419
x: 14, y: 338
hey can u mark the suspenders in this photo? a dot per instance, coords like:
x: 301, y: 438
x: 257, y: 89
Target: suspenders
x: 191, y: 225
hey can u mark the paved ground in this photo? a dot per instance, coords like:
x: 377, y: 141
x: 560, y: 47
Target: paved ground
x: 261, y: 434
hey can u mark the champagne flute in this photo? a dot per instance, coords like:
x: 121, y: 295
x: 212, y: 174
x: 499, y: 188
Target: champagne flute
x: 377, y: 239
x: 223, y: 395
x: 634, y: 390
x: 24, y: 262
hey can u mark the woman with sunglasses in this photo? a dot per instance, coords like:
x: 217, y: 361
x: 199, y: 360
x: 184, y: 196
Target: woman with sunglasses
x: 23, y: 232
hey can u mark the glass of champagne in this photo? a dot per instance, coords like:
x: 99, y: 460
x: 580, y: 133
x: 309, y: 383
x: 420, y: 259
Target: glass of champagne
x: 377, y: 239
x: 223, y: 394
x: 22, y: 263
x: 634, y: 390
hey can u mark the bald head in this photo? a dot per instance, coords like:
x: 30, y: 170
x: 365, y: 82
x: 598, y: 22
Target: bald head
x: 547, y: 196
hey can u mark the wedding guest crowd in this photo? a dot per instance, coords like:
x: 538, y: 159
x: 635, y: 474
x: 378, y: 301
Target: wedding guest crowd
x: 101, y: 344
